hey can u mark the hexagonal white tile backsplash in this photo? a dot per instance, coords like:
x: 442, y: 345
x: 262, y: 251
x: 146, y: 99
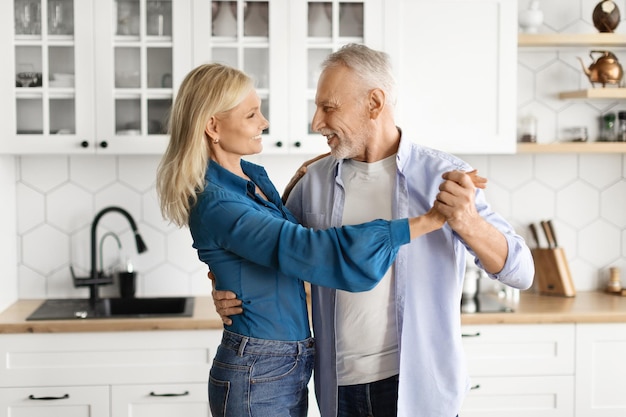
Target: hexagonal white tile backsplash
x: 585, y: 195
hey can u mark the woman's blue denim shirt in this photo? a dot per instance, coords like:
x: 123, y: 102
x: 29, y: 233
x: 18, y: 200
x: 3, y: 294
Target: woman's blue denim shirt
x: 256, y: 249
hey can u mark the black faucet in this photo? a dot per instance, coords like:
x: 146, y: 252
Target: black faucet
x: 96, y: 277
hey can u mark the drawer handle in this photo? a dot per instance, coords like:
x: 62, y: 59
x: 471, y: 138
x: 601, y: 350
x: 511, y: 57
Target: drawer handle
x: 473, y: 387
x: 470, y: 334
x: 182, y: 394
x: 32, y: 397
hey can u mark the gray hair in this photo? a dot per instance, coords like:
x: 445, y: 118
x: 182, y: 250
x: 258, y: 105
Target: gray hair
x: 373, y: 67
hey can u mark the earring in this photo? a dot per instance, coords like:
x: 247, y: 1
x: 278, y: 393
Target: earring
x: 216, y: 140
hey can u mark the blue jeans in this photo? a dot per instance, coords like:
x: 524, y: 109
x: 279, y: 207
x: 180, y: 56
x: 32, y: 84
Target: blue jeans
x: 260, y: 378
x: 375, y: 399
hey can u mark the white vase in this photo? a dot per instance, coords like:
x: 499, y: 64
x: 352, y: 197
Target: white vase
x: 530, y: 19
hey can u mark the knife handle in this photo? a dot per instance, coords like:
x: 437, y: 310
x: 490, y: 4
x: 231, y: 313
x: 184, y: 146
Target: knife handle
x: 548, y: 232
x: 551, y: 228
x: 535, y: 235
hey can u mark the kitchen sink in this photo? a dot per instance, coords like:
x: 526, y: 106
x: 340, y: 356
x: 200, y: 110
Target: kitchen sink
x: 110, y: 308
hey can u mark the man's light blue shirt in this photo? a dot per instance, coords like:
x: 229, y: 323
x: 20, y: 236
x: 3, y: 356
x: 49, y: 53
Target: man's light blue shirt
x: 429, y: 278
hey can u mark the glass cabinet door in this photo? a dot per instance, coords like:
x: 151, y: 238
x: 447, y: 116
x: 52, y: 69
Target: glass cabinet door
x: 91, y: 75
x: 238, y: 34
x: 318, y: 29
x: 46, y: 110
x: 135, y: 71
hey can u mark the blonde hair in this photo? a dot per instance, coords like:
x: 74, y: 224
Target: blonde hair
x: 206, y: 91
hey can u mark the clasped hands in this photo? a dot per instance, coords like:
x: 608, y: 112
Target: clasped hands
x: 454, y: 204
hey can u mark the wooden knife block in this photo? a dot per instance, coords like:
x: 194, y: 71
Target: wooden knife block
x: 552, y: 272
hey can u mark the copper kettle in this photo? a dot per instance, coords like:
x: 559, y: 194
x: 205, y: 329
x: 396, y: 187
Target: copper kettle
x: 605, y: 69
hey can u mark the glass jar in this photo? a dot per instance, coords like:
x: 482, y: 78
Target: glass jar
x: 607, y: 129
x: 621, y: 126
x: 615, y: 284
x: 528, y: 129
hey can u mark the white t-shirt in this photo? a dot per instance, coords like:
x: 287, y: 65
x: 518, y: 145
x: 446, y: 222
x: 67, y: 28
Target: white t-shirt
x: 367, y: 337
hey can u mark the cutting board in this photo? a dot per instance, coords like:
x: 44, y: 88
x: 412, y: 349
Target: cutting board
x: 552, y: 272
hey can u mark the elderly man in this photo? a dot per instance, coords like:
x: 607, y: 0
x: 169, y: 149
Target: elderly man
x: 394, y: 350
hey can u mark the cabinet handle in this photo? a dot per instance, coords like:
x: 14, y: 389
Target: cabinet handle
x: 297, y: 144
x: 32, y: 397
x: 477, y: 334
x: 104, y: 144
x: 182, y: 394
x: 473, y: 387
x: 279, y: 144
x: 84, y: 144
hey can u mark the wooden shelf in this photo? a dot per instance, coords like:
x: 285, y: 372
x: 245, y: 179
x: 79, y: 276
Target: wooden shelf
x: 597, y: 93
x: 571, y: 39
x: 572, y: 147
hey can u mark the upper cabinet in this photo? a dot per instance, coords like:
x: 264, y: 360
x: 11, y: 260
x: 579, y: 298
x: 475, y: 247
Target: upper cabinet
x: 85, y: 76
x: 456, y: 66
x: 281, y: 44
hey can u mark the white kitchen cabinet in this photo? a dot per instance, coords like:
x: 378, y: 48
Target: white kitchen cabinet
x: 281, y: 43
x: 600, y: 370
x: 55, y: 402
x: 520, y: 370
x: 105, y: 74
x: 456, y: 65
x: 165, y: 400
x: 137, y: 373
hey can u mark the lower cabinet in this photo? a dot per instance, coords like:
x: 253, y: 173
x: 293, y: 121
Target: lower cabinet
x: 108, y: 374
x: 601, y: 370
x: 55, y: 401
x: 164, y: 400
x: 520, y: 370
x: 516, y: 370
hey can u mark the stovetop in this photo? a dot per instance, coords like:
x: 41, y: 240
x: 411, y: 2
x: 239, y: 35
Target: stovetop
x: 484, y: 303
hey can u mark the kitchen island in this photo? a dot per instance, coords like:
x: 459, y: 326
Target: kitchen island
x: 586, y: 307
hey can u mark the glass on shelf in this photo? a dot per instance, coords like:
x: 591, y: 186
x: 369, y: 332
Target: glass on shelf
x: 61, y: 17
x: 256, y: 18
x: 224, y: 18
x: 320, y: 19
x: 159, y: 15
x: 159, y: 64
x: 29, y: 113
x: 256, y: 64
x: 62, y: 116
x: 127, y: 117
x: 127, y: 18
x: 27, y: 17
x: 27, y: 77
x: 351, y: 20
x: 127, y: 67
x: 61, y: 66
